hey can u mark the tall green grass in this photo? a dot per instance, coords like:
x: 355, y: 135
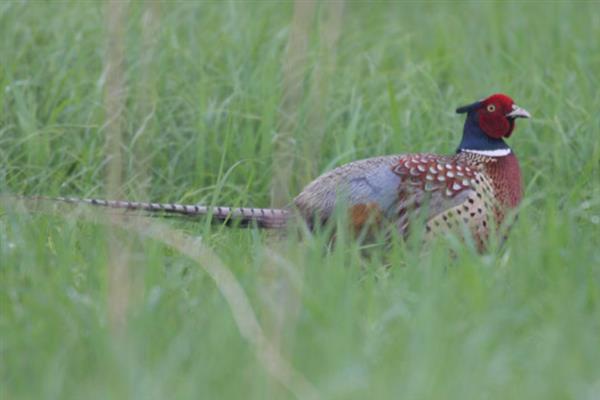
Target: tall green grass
x: 201, y: 117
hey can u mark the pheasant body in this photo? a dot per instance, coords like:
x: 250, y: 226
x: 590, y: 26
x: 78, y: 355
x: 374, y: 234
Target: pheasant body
x: 464, y: 190
x: 467, y: 192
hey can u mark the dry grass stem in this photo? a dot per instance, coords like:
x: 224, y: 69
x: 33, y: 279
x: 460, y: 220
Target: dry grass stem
x: 294, y: 70
x: 329, y: 34
x: 114, y: 100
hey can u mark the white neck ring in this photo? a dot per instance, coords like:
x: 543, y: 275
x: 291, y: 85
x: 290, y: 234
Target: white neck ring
x: 489, y: 153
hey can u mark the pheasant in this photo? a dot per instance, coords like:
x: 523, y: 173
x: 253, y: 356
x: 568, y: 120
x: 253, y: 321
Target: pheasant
x: 474, y: 188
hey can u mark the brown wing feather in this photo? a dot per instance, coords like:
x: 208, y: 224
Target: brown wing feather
x: 451, y: 192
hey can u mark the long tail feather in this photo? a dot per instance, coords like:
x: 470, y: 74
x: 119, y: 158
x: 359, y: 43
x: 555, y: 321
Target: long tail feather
x: 267, y: 218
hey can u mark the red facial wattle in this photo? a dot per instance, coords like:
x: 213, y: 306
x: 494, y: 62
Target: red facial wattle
x: 495, y: 124
x: 493, y: 118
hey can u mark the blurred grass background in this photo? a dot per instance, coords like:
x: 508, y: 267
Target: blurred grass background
x: 242, y: 103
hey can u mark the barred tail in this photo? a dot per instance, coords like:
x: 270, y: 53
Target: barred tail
x: 267, y: 218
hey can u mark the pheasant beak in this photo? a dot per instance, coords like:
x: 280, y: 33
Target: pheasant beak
x: 518, y: 112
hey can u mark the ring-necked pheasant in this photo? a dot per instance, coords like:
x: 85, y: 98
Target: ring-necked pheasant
x: 472, y: 189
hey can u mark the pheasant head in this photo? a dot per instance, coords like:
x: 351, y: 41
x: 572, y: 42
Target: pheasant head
x: 488, y: 122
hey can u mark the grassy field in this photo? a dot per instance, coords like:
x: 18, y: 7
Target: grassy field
x: 219, y: 101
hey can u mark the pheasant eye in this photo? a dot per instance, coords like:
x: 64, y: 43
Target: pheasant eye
x: 491, y: 108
